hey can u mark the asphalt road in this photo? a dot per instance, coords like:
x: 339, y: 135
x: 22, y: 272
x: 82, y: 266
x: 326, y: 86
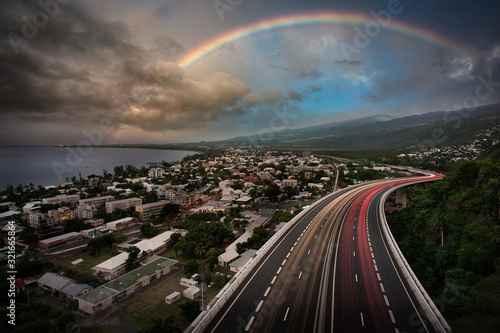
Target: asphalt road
x: 330, y: 272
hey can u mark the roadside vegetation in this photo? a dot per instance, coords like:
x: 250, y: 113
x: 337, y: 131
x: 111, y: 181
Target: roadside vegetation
x: 450, y: 235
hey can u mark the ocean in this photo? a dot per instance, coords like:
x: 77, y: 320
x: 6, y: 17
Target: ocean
x: 46, y: 165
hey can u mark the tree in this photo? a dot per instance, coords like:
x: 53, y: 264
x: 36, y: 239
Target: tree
x: 133, y: 254
x: 175, y: 237
x: 162, y: 326
x: 190, y: 310
x: 149, y: 230
x: 191, y: 266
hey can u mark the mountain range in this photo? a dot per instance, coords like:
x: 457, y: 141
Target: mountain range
x: 434, y: 129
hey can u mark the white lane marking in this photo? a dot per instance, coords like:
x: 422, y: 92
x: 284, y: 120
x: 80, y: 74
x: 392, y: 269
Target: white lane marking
x: 309, y: 251
x: 386, y: 300
x: 396, y: 330
x: 372, y: 255
x: 298, y: 239
x: 353, y: 253
x: 376, y: 268
x: 274, y: 279
x: 352, y: 237
x: 279, y: 270
x: 284, y: 261
x: 286, y: 314
x: 370, y: 243
x: 378, y: 277
x: 371, y: 250
x: 249, y: 323
x: 356, y: 276
x: 392, y: 317
x: 288, y: 254
x: 295, y: 244
x: 382, y: 287
x: 374, y: 261
x: 315, y: 236
x: 321, y: 226
x: 362, y: 319
x: 267, y: 291
x: 292, y: 249
x: 258, y: 306
x: 300, y: 274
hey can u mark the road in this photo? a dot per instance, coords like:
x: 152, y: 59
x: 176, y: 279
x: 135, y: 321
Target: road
x: 331, y: 271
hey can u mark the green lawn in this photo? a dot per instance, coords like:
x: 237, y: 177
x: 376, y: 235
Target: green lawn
x: 152, y: 304
x: 88, y: 260
x: 180, y: 258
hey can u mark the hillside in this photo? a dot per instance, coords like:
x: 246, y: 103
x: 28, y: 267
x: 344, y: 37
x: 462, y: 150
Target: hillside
x: 434, y: 129
x: 450, y: 235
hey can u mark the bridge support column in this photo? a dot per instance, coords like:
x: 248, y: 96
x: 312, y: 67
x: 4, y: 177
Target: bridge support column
x: 401, y: 197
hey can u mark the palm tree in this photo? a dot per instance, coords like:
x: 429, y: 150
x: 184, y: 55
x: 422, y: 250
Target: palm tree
x: 162, y: 326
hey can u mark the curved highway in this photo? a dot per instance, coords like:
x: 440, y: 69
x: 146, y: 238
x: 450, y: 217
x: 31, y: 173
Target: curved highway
x: 331, y: 271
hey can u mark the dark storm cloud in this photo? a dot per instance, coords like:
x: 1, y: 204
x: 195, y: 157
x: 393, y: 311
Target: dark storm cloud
x: 309, y: 74
x: 168, y: 7
x: 167, y: 46
x: 82, y: 66
x: 348, y: 62
x: 283, y: 68
x: 295, y: 95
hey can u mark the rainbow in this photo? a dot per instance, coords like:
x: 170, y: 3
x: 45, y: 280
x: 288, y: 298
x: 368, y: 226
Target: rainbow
x: 313, y: 19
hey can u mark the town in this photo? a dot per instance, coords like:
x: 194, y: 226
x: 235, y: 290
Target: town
x: 96, y: 243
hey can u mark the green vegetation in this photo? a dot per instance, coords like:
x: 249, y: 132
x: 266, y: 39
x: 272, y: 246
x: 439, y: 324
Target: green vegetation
x: 133, y: 255
x: 148, y: 230
x: 450, y: 235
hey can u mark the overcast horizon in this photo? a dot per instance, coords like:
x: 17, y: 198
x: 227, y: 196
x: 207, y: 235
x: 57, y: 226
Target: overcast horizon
x: 146, y: 72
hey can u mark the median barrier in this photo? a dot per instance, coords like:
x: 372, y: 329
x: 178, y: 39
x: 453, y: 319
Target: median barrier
x: 206, y: 317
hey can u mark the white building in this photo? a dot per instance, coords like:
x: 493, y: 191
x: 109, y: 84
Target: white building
x: 156, y: 172
x: 96, y: 201
x: 61, y: 199
x: 123, y: 204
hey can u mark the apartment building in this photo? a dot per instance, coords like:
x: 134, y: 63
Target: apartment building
x: 122, y: 204
x: 150, y: 210
x: 68, y: 199
x: 156, y: 172
x: 96, y: 201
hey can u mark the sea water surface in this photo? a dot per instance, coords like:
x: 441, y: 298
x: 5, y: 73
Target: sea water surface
x: 47, y: 165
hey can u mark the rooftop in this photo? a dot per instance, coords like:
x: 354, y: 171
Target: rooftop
x: 97, y: 295
x: 139, y: 274
x: 60, y: 237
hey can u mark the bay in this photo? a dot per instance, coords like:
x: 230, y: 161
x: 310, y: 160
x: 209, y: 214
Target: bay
x: 47, y: 165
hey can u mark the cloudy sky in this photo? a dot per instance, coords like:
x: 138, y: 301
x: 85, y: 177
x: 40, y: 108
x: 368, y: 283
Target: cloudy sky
x: 114, y: 71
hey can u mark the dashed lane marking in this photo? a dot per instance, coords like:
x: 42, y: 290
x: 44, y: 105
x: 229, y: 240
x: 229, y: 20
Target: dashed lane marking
x: 274, y: 279
x: 386, y: 300
x: 267, y: 291
x: 286, y: 314
x: 258, y: 306
x: 392, y: 317
x: 249, y: 323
